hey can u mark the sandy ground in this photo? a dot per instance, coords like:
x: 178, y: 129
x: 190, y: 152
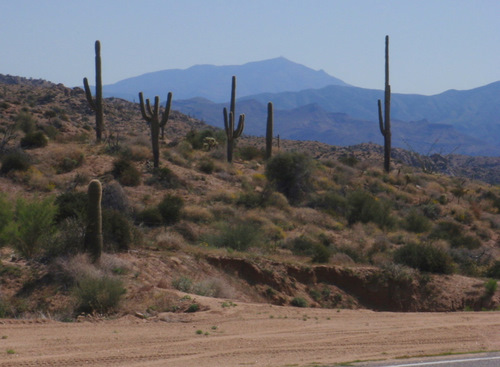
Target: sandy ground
x: 246, y: 335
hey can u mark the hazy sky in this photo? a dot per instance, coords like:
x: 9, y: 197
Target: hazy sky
x: 435, y: 45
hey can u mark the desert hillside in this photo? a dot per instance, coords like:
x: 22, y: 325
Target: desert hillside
x: 314, y: 226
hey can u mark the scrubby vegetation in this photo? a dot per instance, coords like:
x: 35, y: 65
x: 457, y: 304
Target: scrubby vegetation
x: 303, y: 209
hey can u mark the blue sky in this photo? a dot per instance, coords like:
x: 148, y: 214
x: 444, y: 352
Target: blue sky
x: 435, y: 45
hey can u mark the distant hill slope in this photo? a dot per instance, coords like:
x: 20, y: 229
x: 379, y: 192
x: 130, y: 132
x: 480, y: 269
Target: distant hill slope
x: 214, y: 82
x: 466, y: 122
x: 475, y: 112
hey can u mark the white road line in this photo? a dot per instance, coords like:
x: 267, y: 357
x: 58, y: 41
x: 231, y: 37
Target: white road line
x: 444, y: 362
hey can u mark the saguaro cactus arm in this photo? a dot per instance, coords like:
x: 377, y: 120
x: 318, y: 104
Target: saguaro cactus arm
x: 166, y: 114
x: 151, y: 115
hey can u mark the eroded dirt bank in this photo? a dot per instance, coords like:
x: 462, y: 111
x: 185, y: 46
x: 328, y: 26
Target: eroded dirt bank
x: 245, y: 334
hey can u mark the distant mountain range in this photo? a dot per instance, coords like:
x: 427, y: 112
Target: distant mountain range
x: 214, y: 82
x: 312, y: 105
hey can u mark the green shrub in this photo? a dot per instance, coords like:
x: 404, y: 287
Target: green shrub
x: 446, y: 230
x: 69, y: 163
x: 416, y: 222
x: 453, y: 233
x: 330, y: 202
x: 298, y: 302
x: 193, y: 307
x: 290, y: 173
x: 32, y: 228
x: 320, y: 253
x: 206, y: 166
x: 165, y: 178
x: 98, y: 294
x: 6, y: 214
x: 494, y: 270
x: 431, y: 211
x: 116, y: 230
x: 71, y: 204
x: 425, y: 257
x: 15, y: 161
x: 170, y: 209
x: 183, y: 284
x: 126, y: 173
x: 150, y: 217
x: 349, y: 160
x: 491, y: 287
x: 237, y: 236
x: 302, y: 245
x: 25, y: 121
x: 249, y: 152
x: 196, y: 138
x: 363, y: 207
x: 35, y: 139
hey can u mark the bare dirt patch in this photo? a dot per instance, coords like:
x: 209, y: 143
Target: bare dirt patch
x: 246, y: 334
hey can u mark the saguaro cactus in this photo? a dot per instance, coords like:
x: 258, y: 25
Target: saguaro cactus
x: 93, y: 234
x: 231, y: 133
x: 96, y: 104
x: 385, y: 120
x: 269, y: 131
x: 152, y: 116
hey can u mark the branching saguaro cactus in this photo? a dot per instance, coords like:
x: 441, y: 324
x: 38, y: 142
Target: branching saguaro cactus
x: 269, y: 131
x: 96, y: 104
x: 152, y: 116
x: 231, y: 133
x: 93, y: 234
x: 385, y: 120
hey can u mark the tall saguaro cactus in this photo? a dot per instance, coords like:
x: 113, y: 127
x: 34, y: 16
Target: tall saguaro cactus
x: 152, y: 116
x: 93, y: 234
x: 232, y: 133
x: 385, y: 120
x: 96, y: 104
x: 269, y: 131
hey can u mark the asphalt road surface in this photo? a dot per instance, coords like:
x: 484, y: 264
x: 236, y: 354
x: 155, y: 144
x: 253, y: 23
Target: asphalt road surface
x: 476, y: 360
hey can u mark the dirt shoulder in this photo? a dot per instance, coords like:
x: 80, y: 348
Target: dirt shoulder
x: 246, y: 334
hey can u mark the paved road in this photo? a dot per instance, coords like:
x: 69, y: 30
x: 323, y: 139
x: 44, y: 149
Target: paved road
x: 476, y: 360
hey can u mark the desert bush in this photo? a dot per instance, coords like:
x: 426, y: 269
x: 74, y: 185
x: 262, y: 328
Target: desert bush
x: 290, y: 173
x: 298, y: 302
x: 249, y: 152
x: 424, y: 257
x: 170, y: 209
x: 33, y: 226
x: 197, y: 138
x: 453, y: 233
x: 116, y: 230
x: 114, y: 197
x: 126, y: 173
x: 206, y: 165
x: 98, y: 294
x: 36, y: 139
x: 236, y: 236
x: 494, y: 270
x: 69, y: 239
x: 71, y: 204
x: 70, y: 161
x: 363, y: 207
x: 183, y: 284
x: 320, y: 253
x: 15, y: 161
x: 165, y: 178
x: 431, y: 211
x: 349, y: 160
x: 329, y: 202
x: 150, y: 217
x: 6, y: 214
x: 490, y: 287
x: 416, y: 222
x: 25, y: 121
